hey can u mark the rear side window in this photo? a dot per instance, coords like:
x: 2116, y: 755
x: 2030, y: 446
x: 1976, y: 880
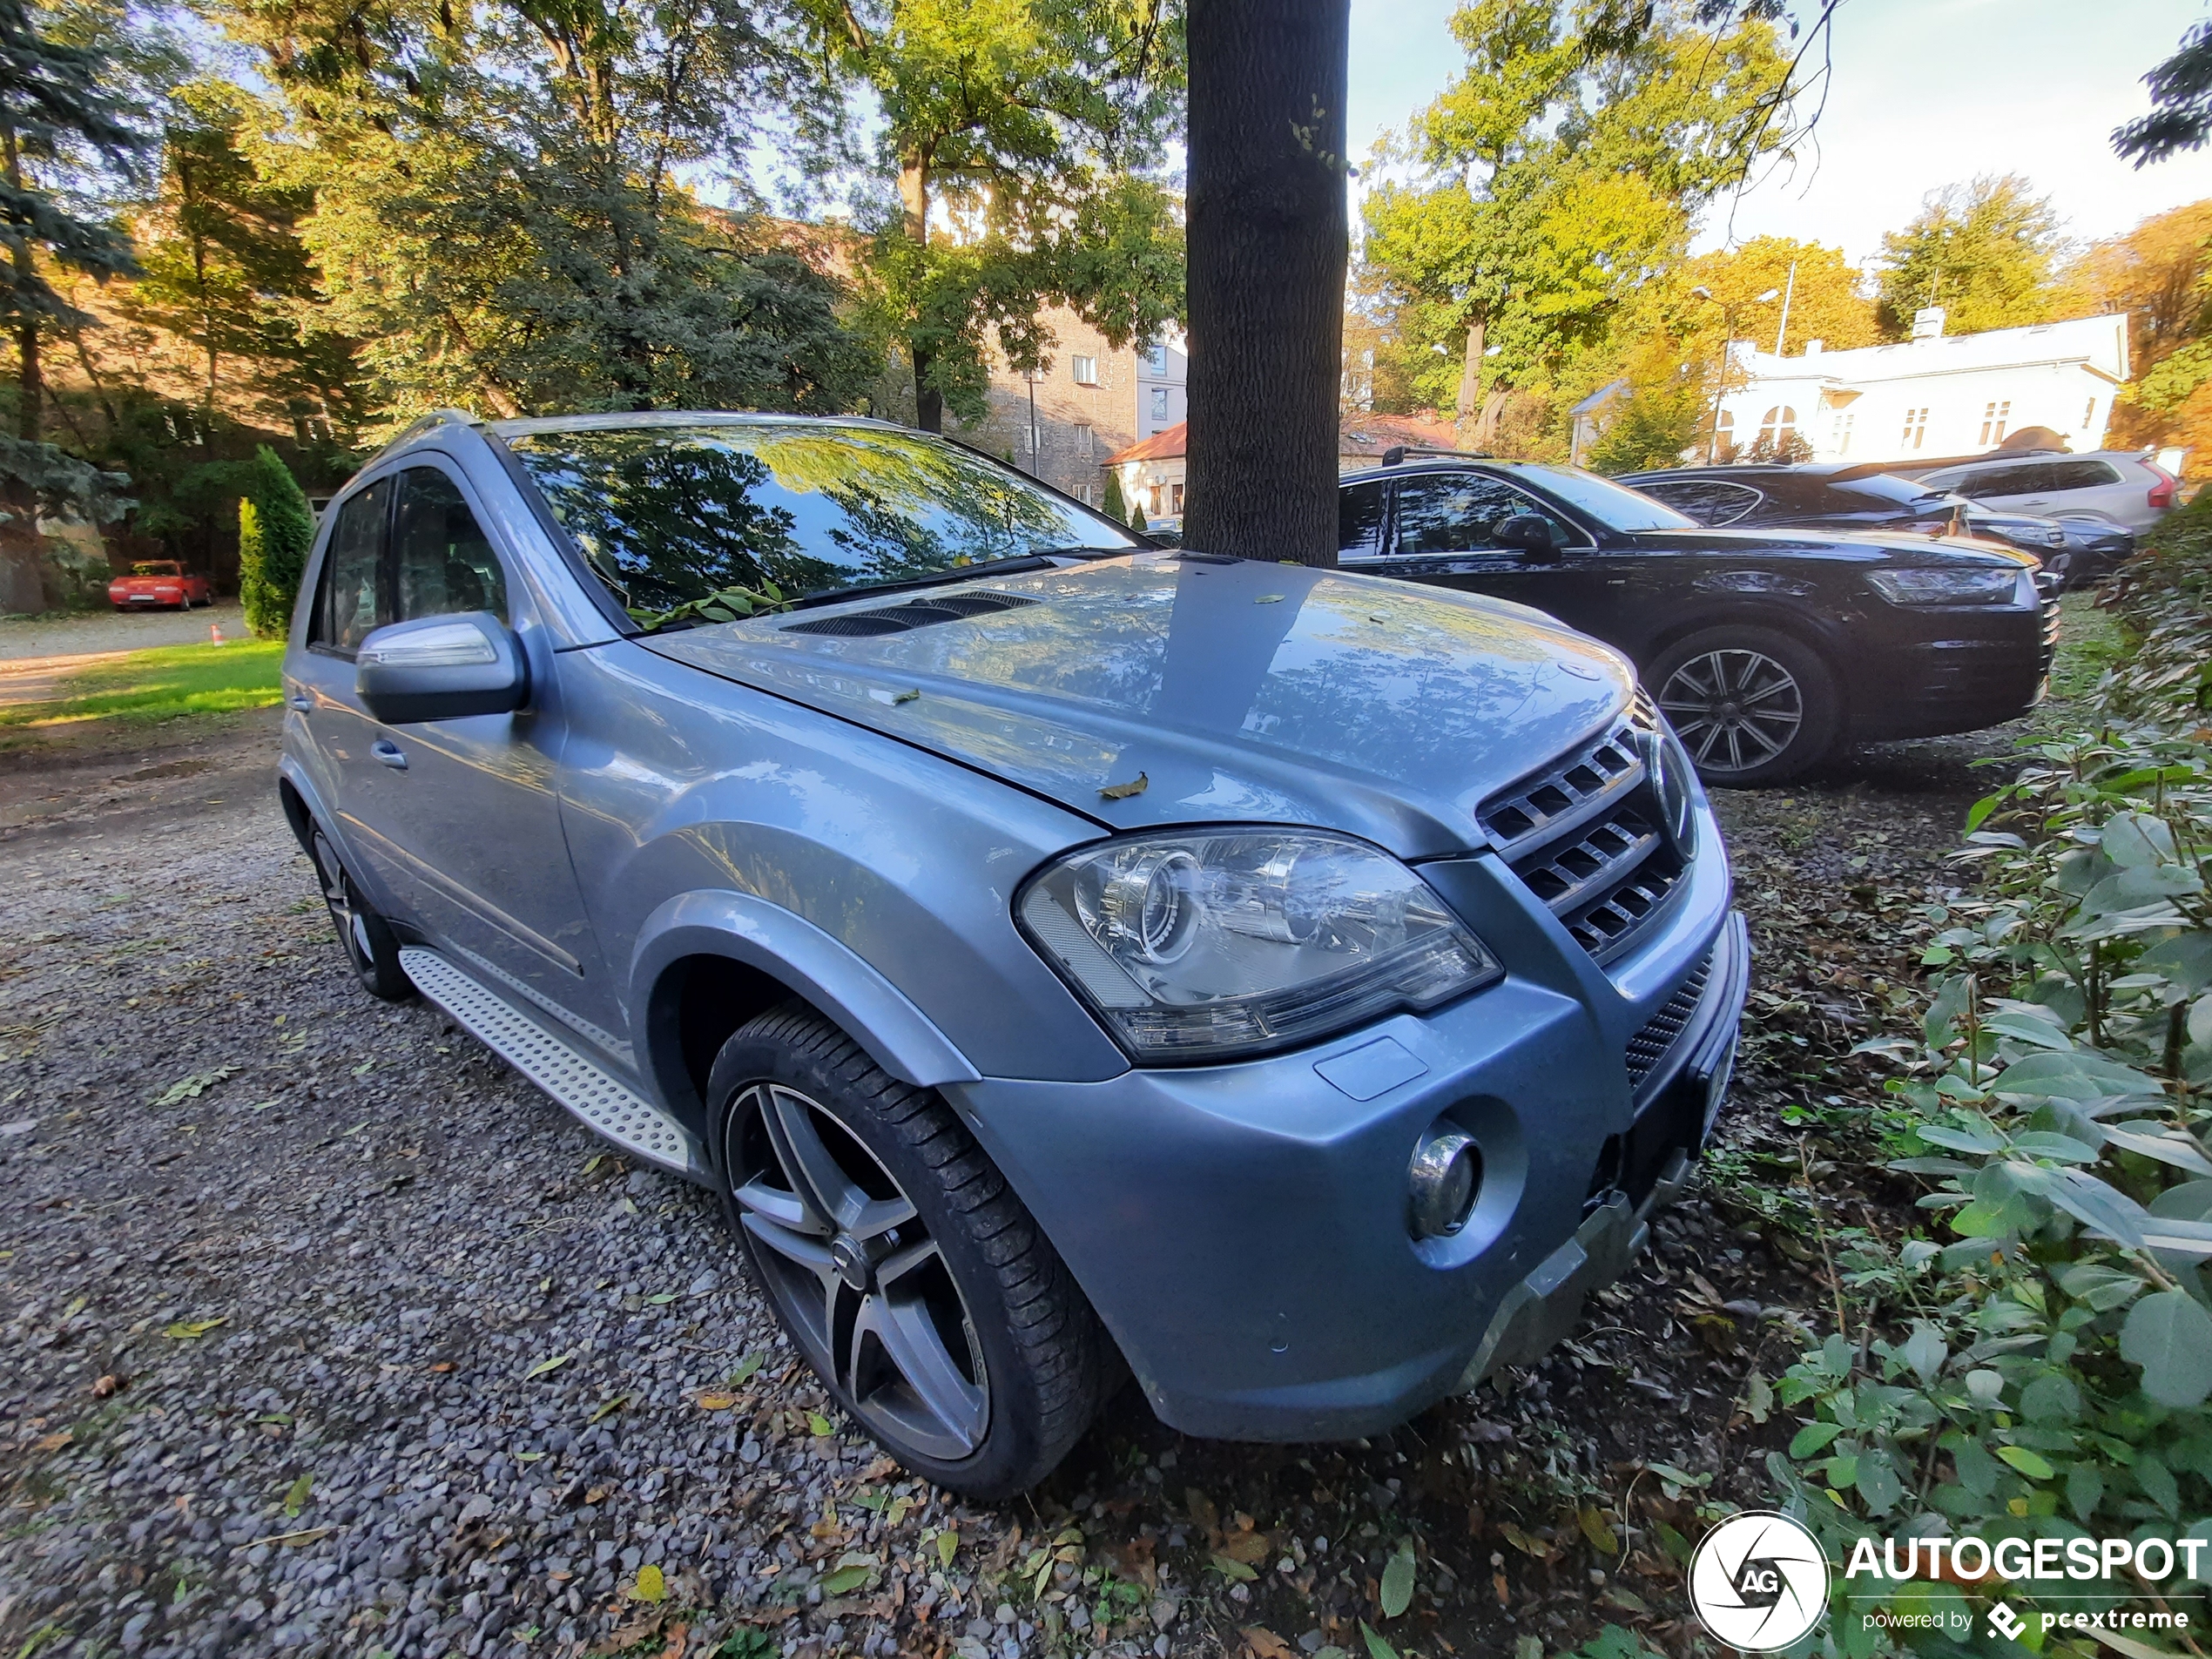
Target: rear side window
x: 351, y: 603
x: 1359, y: 520
x: 2005, y: 481
x: 2080, y: 474
x: 442, y: 563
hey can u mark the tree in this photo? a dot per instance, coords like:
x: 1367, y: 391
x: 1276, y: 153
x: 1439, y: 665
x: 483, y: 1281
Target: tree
x: 2159, y: 274
x: 2181, y: 96
x: 1983, y: 251
x: 1822, y: 296
x: 1268, y: 235
x: 1112, y: 504
x: 1560, y: 173
x: 1663, y: 416
x: 500, y: 218
x: 276, y: 528
x: 56, y: 115
x: 1023, y: 135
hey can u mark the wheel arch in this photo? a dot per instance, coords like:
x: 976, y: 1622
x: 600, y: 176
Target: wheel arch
x: 1776, y: 618
x: 708, y: 962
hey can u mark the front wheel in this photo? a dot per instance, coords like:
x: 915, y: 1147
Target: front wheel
x: 912, y: 1279
x: 1750, y: 704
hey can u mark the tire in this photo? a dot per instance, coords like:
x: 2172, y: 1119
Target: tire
x: 1752, y: 705
x: 366, y: 937
x: 893, y: 1248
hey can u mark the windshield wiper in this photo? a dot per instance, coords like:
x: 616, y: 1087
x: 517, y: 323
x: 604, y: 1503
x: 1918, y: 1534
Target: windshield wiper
x: 1014, y: 565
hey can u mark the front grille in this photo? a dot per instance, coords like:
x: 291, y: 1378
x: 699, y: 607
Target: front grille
x: 1663, y: 1029
x: 917, y: 613
x: 2050, y: 632
x: 1584, y: 834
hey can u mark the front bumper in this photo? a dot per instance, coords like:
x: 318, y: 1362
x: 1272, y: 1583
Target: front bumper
x: 1241, y: 1229
x: 1946, y: 669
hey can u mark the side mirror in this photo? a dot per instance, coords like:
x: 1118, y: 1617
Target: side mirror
x: 1531, y: 533
x: 441, y: 668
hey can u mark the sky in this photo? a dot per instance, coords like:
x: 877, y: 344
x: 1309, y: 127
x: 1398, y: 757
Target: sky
x: 1923, y: 93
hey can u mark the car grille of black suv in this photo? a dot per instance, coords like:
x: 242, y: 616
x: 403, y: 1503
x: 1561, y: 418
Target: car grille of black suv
x: 2050, y: 632
x: 1585, y: 835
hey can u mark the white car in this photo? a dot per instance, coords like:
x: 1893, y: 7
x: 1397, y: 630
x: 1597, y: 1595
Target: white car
x: 2119, y: 486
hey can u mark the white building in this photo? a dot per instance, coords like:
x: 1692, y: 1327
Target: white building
x: 1939, y: 395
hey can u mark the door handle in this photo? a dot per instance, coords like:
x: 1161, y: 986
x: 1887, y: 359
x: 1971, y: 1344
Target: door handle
x: 390, y: 753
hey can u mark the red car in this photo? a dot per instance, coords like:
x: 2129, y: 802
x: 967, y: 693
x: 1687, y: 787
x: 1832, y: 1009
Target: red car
x: 160, y: 582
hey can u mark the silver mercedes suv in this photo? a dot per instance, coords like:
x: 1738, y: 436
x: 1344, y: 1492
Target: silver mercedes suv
x: 1065, y: 957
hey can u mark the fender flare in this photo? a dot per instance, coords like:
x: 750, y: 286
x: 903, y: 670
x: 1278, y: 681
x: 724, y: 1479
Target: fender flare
x: 810, y: 962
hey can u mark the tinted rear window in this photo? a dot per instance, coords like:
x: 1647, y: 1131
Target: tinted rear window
x: 1615, y: 506
x: 1886, y: 488
x: 667, y: 515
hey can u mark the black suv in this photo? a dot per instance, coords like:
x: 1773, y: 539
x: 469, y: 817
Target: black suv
x: 1830, y: 495
x: 1766, y: 647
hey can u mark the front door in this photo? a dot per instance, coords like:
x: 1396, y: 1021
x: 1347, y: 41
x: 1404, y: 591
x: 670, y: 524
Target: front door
x: 462, y: 818
x: 1440, y: 532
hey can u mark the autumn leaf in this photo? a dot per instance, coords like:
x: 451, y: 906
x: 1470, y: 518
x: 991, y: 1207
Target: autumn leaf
x: 1230, y: 1566
x: 717, y: 1402
x: 295, y: 1500
x: 947, y: 1546
x: 185, y: 1330
x: 1250, y: 1548
x: 651, y: 1585
x: 743, y: 1372
x: 1593, y: 1523
x: 1377, y: 1647
x: 1398, y: 1582
x: 1264, y: 1643
x: 1135, y: 785
x: 1202, y: 1509
x: 551, y: 1362
x: 608, y: 1408
x: 192, y: 1087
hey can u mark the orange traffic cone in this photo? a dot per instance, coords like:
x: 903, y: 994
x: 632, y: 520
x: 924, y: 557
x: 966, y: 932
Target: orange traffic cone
x: 215, y: 633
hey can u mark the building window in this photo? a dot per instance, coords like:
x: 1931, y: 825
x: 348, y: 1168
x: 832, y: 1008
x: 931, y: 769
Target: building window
x: 1725, y: 434
x: 1175, y: 498
x: 1085, y: 370
x: 1993, y: 416
x: 1842, y: 434
x: 1777, y: 426
x: 1160, y: 404
x: 1916, y: 427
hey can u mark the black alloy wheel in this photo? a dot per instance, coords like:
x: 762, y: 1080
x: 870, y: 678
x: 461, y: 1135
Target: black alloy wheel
x: 370, y: 946
x: 907, y: 1274
x: 1750, y: 705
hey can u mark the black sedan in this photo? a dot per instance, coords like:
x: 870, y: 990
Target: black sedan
x: 1826, y: 496
x: 1766, y: 649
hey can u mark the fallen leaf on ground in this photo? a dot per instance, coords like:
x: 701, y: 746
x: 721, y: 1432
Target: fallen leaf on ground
x: 821, y: 1425
x: 185, y: 1330
x: 295, y: 1500
x: 717, y: 1402
x: 652, y: 1585
x: 551, y: 1362
x: 608, y: 1408
x: 193, y: 1087
x: 1264, y: 1643
x: 1398, y: 1582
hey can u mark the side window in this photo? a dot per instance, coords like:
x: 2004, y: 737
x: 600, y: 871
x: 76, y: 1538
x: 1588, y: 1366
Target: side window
x: 1708, y: 501
x: 2080, y: 475
x: 442, y: 562
x: 1457, y: 513
x: 350, y: 605
x: 1359, y: 520
x: 2004, y: 481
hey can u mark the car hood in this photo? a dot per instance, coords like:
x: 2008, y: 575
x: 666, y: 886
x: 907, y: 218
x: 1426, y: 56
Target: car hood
x: 1224, y: 691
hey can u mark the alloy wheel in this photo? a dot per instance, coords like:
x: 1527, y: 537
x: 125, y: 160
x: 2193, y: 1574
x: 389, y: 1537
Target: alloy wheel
x: 1734, y: 709
x: 345, y: 908
x: 859, y: 1281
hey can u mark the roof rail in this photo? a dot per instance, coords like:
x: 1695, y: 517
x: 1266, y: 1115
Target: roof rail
x: 1398, y: 452
x: 431, y: 422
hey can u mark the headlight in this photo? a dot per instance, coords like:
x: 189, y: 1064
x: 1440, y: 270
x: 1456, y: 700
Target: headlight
x: 1922, y: 586
x: 1212, y: 943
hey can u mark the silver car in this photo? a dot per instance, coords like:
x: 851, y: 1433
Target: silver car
x: 2120, y: 487
x: 1065, y: 958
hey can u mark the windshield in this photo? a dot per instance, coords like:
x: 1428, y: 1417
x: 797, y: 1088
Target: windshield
x: 670, y: 514
x: 1615, y: 506
x: 1887, y: 487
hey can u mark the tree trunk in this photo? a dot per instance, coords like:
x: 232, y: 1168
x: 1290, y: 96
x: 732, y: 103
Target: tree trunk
x: 913, y: 203
x: 1267, y: 242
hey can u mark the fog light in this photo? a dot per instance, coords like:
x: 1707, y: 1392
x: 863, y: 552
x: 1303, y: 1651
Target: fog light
x: 1446, y: 1168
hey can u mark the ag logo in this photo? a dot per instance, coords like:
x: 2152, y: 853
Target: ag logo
x: 1759, y: 1582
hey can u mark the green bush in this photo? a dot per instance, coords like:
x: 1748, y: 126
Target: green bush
x: 2043, y: 1370
x: 1115, y: 507
x: 276, y: 528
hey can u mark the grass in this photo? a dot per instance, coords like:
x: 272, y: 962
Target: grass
x: 2090, y: 641
x: 161, y: 684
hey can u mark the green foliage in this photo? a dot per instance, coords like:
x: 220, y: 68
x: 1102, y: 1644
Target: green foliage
x: 1115, y: 507
x: 2181, y: 96
x: 1661, y: 417
x: 162, y: 684
x: 1037, y: 127
x: 2045, y: 1372
x: 1560, y: 171
x: 276, y: 529
x: 1982, y: 251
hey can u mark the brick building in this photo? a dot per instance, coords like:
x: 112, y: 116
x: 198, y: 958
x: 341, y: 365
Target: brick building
x: 1094, y: 401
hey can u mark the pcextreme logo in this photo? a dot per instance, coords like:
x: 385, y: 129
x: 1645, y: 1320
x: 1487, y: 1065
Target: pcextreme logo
x: 1759, y: 1582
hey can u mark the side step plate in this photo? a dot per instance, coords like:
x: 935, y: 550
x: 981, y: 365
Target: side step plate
x: 601, y: 1100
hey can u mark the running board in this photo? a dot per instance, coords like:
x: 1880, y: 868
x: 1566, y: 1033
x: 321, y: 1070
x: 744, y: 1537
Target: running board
x: 594, y: 1095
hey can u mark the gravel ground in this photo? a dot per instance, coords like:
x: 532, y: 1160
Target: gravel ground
x: 327, y: 1334
x: 62, y: 633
